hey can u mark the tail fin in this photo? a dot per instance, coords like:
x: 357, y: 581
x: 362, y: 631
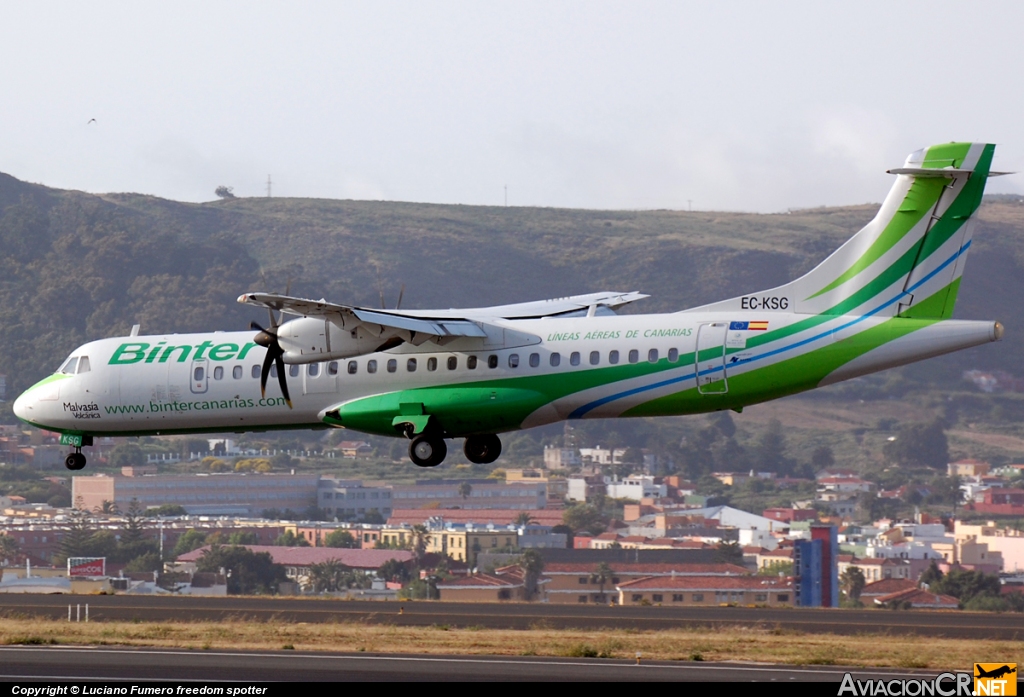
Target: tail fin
x: 908, y: 260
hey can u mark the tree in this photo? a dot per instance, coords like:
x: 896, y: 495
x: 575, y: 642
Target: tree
x: 852, y: 582
x: 126, y: 455
x: 9, y: 549
x: 342, y: 539
x: 248, y: 572
x: 243, y: 537
x: 524, y: 519
x: 771, y: 449
x: 729, y: 553
x: 532, y: 564
x: 75, y: 541
x: 394, y: 571
x: 602, y: 575
x: 132, y: 530
x: 193, y: 539
x: 418, y: 542
x: 930, y: 576
x: 224, y: 191
x: 167, y: 510
x: 328, y: 576
x: 290, y: 539
x: 919, y: 445
x: 822, y: 458
x: 150, y: 561
x: 107, y: 508
x: 584, y: 517
x: 465, y: 489
x: 966, y: 585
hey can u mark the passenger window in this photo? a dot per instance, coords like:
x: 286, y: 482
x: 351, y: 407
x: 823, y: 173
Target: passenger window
x: 273, y: 370
x: 352, y: 367
x: 218, y: 373
x: 555, y: 360
x: 83, y: 365
x: 431, y: 364
x: 332, y: 368
x: 595, y: 357
x: 673, y: 355
x: 453, y: 362
x: 69, y: 366
x: 198, y: 374
x: 313, y: 370
x: 392, y: 365
x: 256, y: 371
x: 613, y: 357
x: 652, y: 356
x: 371, y: 366
x: 574, y: 358
x: 534, y: 360
x: 236, y: 372
x: 513, y: 360
x: 471, y: 362
x: 492, y: 361
x: 410, y: 365
x: 634, y: 356
x: 293, y: 371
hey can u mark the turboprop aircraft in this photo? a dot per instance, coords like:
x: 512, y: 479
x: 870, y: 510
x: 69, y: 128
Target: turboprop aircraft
x: 883, y: 299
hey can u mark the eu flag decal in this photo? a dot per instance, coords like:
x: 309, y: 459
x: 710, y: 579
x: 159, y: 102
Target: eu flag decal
x: 756, y: 326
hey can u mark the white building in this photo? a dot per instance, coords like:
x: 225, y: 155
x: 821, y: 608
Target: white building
x: 634, y: 488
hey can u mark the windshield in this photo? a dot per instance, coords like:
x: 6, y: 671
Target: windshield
x: 69, y: 366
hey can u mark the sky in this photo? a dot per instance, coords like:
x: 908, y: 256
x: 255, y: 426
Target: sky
x: 742, y: 106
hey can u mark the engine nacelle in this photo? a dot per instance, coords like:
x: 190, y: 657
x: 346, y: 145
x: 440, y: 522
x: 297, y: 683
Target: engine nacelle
x: 314, y: 339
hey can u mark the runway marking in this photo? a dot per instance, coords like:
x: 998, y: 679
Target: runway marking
x: 624, y: 663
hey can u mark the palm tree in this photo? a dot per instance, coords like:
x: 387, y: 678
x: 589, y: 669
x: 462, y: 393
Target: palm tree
x: 107, y: 508
x: 465, y: 489
x: 418, y: 538
x: 328, y: 576
x: 602, y: 575
x: 524, y: 519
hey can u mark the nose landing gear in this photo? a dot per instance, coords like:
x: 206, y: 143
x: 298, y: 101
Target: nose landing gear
x: 75, y: 461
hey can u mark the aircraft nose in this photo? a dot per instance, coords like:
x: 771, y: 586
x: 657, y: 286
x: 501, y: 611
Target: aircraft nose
x: 23, y: 406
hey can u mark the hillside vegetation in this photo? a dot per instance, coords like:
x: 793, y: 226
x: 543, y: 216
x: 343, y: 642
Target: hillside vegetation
x: 75, y: 267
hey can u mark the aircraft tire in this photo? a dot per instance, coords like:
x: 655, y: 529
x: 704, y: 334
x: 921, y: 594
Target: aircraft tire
x: 427, y: 451
x: 483, y: 449
x: 75, y: 461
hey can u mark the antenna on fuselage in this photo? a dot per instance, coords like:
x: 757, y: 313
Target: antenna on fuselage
x: 135, y: 330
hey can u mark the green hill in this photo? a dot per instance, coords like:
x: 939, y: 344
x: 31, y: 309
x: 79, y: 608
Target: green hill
x: 75, y: 267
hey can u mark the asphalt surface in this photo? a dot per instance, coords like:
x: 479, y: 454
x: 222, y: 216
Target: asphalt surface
x: 962, y: 625
x: 29, y: 664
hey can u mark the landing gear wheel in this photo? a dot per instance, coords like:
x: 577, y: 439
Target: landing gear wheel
x: 428, y: 451
x: 75, y: 461
x: 483, y: 449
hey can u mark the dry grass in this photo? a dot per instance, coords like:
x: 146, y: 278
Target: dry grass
x: 739, y: 644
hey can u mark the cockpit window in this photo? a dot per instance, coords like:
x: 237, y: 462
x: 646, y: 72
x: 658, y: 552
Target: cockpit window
x: 83, y: 365
x: 69, y: 366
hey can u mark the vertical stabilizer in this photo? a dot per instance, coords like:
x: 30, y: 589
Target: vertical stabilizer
x: 908, y: 260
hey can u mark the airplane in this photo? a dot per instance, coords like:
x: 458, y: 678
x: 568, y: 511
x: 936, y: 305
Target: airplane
x: 885, y: 298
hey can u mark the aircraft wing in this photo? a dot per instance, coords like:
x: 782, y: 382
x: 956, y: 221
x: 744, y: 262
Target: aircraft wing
x: 445, y: 326
x: 441, y: 323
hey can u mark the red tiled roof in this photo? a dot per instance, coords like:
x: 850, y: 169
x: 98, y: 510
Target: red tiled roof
x: 496, y: 516
x: 706, y: 583
x: 496, y: 580
x: 918, y: 597
x: 680, y: 569
x: 887, y: 586
x: 304, y: 556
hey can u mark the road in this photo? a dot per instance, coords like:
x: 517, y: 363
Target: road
x: 963, y: 625
x: 29, y: 663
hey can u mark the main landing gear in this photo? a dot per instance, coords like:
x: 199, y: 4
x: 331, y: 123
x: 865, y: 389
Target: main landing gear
x: 483, y: 449
x: 75, y: 461
x: 429, y: 449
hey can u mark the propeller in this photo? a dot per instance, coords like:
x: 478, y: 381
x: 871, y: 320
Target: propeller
x: 268, y: 339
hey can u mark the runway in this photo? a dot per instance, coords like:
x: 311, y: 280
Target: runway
x: 964, y: 625
x: 112, y: 664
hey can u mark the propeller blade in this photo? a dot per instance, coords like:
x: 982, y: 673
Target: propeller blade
x: 265, y: 371
x: 279, y: 362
